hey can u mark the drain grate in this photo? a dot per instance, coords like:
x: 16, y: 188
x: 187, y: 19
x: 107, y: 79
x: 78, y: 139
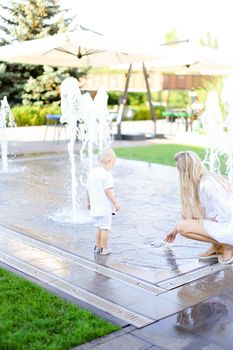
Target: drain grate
x: 191, y: 276
x: 116, y: 310
x: 106, y: 271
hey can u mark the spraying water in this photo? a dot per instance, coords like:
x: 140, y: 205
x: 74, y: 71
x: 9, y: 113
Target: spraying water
x: 219, y: 129
x: 95, y: 130
x: 88, y: 131
x: 102, y: 116
x: 213, y: 125
x: 6, y: 119
x: 87, y: 121
x: 227, y: 100
x: 70, y: 105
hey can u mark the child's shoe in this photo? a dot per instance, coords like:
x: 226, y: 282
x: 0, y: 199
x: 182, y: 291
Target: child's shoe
x: 97, y: 250
x: 105, y: 251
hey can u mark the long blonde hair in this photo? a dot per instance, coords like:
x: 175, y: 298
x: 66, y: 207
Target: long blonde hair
x: 191, y: 170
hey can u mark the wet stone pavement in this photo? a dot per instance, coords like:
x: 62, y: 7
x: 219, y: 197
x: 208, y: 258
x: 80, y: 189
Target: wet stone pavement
x: 143, y: 281
x: 36, y: 197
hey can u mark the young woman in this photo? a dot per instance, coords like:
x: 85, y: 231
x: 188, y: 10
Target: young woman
x: 206, y: 208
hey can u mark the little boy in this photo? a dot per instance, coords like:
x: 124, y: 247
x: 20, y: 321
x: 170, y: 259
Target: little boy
x: 101, y: 199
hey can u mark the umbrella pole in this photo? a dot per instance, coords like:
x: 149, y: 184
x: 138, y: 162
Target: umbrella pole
x: 152, y: 112
x: 123, y: 100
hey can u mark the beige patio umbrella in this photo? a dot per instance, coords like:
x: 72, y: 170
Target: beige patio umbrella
x: 193, y: 59
x: 74, y: 49
x: 80, y: 48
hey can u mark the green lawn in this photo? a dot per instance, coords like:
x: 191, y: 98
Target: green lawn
x: 161, y: 154
x: 33, y: 319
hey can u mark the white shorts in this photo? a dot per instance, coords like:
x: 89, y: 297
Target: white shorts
x: 103, y: 222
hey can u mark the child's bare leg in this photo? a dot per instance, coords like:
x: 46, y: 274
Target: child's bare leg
x: 98, y: 237
x: 104, y: 238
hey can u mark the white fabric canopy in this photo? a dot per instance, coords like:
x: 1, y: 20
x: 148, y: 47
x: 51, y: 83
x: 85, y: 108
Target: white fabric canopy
x: 188, y: 58
x: 83, y: 48
x: 79, y: 48
x: 193, y: 59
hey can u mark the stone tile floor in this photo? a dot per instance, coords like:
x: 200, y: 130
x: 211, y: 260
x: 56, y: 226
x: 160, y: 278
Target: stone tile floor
x: 205, y: 326
x: 195, y: 314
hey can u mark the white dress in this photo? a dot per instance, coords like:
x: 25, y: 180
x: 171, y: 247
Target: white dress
x: 217, y: 203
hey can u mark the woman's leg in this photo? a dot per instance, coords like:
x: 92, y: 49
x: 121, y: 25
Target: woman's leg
x: 194, y: 229
x: 225, y: 250
x: 227, y: 256
x: 201, y: 238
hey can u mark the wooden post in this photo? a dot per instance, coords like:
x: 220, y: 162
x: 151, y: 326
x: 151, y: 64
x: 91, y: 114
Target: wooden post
x: 152, y: 112
x: 122, y: 103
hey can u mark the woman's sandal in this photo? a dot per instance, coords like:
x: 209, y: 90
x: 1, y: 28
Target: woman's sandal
x: 213, y: 252
x: 227, y: 256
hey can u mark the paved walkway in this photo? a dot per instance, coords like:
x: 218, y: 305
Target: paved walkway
x: 162, y: 296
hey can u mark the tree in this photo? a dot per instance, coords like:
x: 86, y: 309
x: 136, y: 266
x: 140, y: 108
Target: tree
x: 171, y: 37
x: 31, y: 19
x: 13, y: 78
x: 45, y: 89
x: 25, y: 20
x: 209, y: 41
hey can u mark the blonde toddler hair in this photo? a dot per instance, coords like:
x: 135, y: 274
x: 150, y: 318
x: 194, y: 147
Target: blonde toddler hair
x: 106, y: 155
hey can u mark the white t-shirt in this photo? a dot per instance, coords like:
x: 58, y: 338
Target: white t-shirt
x: 98, y: 181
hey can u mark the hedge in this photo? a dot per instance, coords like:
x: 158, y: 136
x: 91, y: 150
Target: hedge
x: 36, y: 115
x: 143, y: 113
x: 33, y: 115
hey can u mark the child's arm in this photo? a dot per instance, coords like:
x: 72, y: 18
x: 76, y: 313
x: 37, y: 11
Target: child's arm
x: 88, y: 201
x: 112, y: 198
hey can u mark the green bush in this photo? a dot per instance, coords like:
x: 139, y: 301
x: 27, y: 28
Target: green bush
x: 33, y: 115
x: 36, y: 115
x: 159, y: 111
x: 178, y: 99
x: 143, y: 113
x: 113, y: 97
x: 137, y: 98
x: 133, y: 99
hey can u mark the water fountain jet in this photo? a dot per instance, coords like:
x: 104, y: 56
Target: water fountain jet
x: 86, y: 121
x: 218, y: 124
x: 6, y: 119
x: 70, y: 105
